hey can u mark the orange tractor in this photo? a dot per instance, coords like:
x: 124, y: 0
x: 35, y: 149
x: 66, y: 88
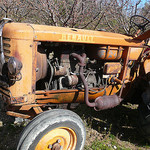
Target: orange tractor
x: 43, y: 68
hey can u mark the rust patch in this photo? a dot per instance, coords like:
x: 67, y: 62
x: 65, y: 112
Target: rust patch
x: 17, y: 55
x: 18, y: 100
x: 15, y: 114
x: 112, y: 68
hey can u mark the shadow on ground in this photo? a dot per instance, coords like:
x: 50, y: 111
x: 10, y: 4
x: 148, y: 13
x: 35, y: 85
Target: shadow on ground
x: 9, y: 133
x: 121, y: 122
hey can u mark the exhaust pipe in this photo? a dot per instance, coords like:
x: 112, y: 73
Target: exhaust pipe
x: 102, y: 102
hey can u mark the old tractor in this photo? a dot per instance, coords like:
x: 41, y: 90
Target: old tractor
x: 45, y: 68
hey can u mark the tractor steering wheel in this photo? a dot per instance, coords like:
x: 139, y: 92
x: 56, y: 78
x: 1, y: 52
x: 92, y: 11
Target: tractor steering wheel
x: 138, y: 24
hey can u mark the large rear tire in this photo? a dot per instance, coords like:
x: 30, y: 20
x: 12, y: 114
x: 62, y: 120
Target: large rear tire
x: 144, y: 121
x: 144, y: 114
x: 54, y: 130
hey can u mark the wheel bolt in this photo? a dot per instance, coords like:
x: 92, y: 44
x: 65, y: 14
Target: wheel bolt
x: 50, y: 146
x: 58, y: 141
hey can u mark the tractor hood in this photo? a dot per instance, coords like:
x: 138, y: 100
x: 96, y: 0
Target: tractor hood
x: 62, y: 34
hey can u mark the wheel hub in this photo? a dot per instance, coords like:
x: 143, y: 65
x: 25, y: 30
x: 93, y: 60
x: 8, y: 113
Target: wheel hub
x: 58, y: 139
x: 56, y: 146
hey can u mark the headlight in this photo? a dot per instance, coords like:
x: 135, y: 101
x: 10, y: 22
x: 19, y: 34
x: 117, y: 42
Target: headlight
x: 14, y: 66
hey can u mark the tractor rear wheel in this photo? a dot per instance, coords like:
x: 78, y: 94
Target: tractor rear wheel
x: 54, y: 130
x: 144, y: 113
x: 144, y: 120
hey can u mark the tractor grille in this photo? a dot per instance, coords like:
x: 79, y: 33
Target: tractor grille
x: 7, y: 54
x: 6, y: 48
x: 5, y: 91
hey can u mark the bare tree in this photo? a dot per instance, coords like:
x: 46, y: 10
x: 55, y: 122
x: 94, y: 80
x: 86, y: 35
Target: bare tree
x: 18, y: 10
x: 77, y: 13
x: 145, y: 11
x: 111, y: 15
x: 117, y: 18
x: 6, y: 6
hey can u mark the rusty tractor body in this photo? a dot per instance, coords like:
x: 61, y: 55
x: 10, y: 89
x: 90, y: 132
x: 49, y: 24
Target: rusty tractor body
x: 43, y: 67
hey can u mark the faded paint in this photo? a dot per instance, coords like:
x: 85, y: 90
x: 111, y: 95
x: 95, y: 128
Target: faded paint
x: 72, y: 96
x: 77, y: 37
x: 147, y: 66
x: 61, y: 34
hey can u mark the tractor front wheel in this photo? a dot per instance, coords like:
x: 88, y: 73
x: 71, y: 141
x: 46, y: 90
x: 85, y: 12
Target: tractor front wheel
x: 54, y: 130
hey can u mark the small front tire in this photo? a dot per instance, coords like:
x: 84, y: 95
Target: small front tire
x: 54, y: 129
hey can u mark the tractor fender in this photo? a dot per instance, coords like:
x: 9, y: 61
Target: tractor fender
x: 147, y: 66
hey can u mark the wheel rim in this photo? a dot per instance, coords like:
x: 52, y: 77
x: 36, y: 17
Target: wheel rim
x: 61, y: 138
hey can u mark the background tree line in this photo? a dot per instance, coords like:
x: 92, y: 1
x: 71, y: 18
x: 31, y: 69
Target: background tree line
x: 109, y: 15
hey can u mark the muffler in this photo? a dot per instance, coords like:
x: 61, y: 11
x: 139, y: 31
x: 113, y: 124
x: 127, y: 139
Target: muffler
x: 107, y: 102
